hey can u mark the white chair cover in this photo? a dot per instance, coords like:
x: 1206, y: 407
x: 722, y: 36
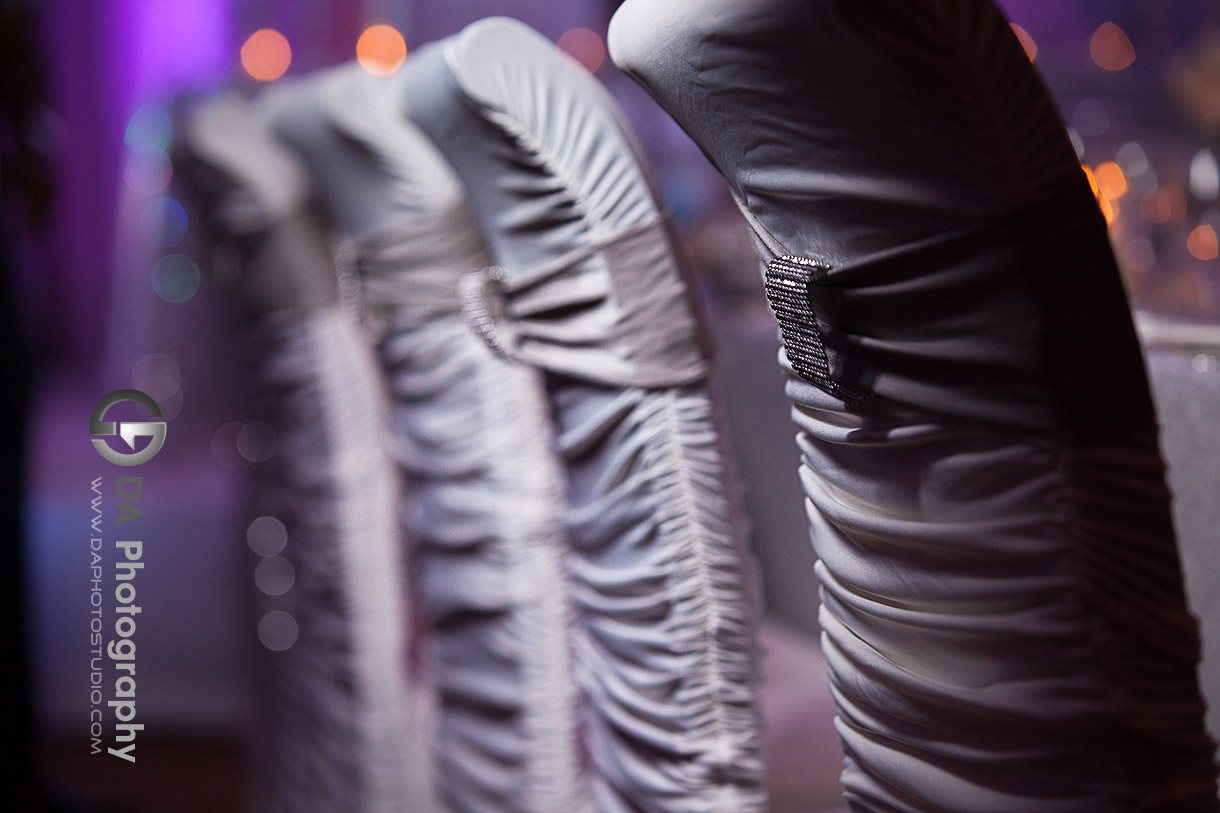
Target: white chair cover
x: 1004, y: 618
x: 484, y: 499
x: 333, y: 729
x: 590, y: 291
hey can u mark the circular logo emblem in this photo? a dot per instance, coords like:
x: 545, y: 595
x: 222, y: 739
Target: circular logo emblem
x: 127, y: 430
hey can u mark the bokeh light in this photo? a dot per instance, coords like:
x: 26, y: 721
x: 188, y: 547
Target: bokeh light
x: 1205, y: 176
x: 148, y: 170
x: 175, y: 278
x: 1088, y: 173
x: 278, y: 631
x: 274, y: 576
x: 381, y: 50
x: 1110, y: 48
x: 149, y: 125
x: 1027, y: 42
x: 1203, y: 243
x: 257, y: 442
x: 1090, y: 118
x: 1132, y: 158
x: 158, y: 375
x: 1108, y: 207
x: 266, y: 536
x: 1111, y: 180
x: 224, y: 448
x: 163, y: 222
x: 266, y: 55
x: 585, y: 46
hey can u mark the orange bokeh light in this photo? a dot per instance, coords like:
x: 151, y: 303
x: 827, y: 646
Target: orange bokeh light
x: 1088, y: 173
x: 1027, y: 42
x: 1111, y: 180
x: 1203, y: 243
x: 585, y: 46
x: 1108, y: 206
x: 381, y: 50
x: 266, y: 55
x: 1110, y: 48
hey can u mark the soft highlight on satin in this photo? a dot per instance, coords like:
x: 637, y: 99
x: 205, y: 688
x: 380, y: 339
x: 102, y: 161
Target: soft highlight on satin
x: 1003, y: 613
x: 663, y: 591
x: 484, y: 498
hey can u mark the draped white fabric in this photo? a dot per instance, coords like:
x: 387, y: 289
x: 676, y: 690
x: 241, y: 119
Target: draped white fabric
x: 484, y: 498
x: 334, y: 718
x: 591, y: 293
x: 1003, y: 613
x: 336, y: 733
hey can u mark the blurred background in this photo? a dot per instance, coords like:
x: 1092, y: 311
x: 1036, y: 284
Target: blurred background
x: 106, y: 288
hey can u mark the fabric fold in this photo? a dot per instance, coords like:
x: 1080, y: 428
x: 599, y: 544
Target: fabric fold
x: 1002, y: 607
x: 338, y: 727
x: 590, y: 291
x: 335, y: 707
x: 484, y: 502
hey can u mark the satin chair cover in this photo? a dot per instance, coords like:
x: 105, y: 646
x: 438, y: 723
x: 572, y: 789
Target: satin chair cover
x: 334, y: 720
x: 1003, y: 612
x: 484, y: 500
x: 589, y: 290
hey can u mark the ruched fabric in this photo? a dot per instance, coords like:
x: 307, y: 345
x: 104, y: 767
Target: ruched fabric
x: 1003, y: 613
x: 484, y: 500
x: 484, y: 511
x: 590, y: 292
x: 334, y: 728
x: 255, y: 198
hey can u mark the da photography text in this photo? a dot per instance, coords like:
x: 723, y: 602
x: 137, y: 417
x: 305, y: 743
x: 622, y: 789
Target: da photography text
x: 116, y: 564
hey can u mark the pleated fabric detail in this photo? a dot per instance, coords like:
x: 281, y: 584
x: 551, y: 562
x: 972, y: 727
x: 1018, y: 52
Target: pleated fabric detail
x: 592, y: 293
x: 484, y: 511
x: 1003, y: 614
x: 483, y: 505
x: 665, y: 601
x: 337, y: 731
x: 614, y: 311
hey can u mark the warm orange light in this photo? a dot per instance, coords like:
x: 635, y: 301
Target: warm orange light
x: 1110, y: 48
x: 381, y: 50
x: 1108, y: 208
x: 1111, y: 180
x: 1203, y: 243
x: 1088, y: 173
x: 1027, y: 42
x: 266, y: 55
x: 585, y: 46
